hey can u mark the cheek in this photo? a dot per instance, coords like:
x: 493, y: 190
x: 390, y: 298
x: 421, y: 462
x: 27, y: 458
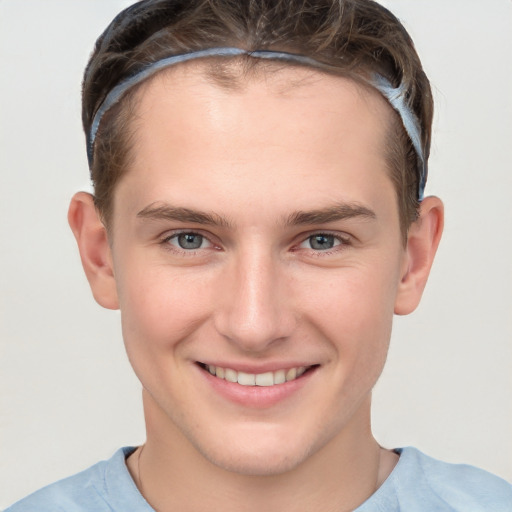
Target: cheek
x: 162, y: 311
x: 354, y: 299
x: 161, y: 306
x: 353, y: 311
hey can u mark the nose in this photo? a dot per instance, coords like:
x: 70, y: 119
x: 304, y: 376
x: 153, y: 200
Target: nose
x: 255, y: 304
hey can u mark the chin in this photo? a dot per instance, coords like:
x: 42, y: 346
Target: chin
x: 246, y: 462
x: 261, y: 454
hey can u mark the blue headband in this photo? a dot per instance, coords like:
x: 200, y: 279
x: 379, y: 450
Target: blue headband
x: 395, y: 96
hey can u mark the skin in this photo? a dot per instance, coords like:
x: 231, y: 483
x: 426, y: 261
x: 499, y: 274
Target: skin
x: 257, y: 293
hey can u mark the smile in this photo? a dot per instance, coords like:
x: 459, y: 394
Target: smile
x: 266, y: 379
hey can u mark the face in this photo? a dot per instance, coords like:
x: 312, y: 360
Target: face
x: 257, y: 257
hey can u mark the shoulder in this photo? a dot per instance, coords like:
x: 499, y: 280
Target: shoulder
x: 445, y: 486
x: 95, y: 489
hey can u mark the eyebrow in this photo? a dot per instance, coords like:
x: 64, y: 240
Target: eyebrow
x: 341, y: 211
x: 158, y: 211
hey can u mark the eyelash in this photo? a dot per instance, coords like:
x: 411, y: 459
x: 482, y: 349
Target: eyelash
x: 343, y: 243
x: 184, y: 252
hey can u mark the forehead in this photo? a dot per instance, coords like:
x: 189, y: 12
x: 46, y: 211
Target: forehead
x: 280, y: 122
x: 235, y: 83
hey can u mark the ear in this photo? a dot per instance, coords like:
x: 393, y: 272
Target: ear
x: 422, y: 242
x: 92, y: 240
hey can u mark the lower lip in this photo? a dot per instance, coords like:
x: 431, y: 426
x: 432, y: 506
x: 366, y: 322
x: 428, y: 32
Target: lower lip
x: 258, y: 397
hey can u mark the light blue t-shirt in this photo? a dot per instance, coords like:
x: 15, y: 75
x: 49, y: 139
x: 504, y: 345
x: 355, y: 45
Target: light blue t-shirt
x: 417, y: 483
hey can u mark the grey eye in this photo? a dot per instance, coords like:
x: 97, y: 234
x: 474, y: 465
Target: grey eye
x: 322, y: 242
x: 189, y: 241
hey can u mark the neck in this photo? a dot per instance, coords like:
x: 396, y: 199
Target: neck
x: 172, y: 475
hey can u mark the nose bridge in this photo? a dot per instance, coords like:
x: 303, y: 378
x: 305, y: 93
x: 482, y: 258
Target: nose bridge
x: 255, y: 311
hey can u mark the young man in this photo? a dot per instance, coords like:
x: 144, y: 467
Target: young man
x: 258, y: 219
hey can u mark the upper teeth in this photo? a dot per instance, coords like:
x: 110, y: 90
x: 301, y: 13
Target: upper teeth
x: 257, y: 379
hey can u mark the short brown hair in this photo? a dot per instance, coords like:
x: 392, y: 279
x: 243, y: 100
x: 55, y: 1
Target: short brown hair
x: 352, y: 37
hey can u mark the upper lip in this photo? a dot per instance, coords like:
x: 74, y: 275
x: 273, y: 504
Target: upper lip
x: 257, y: 368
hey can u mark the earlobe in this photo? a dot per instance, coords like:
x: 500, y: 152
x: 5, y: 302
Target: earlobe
x: 422, y: 242
x: 93, y: 244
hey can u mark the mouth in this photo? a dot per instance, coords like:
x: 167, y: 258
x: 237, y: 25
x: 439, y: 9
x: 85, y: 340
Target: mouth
x: 266, y: 379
